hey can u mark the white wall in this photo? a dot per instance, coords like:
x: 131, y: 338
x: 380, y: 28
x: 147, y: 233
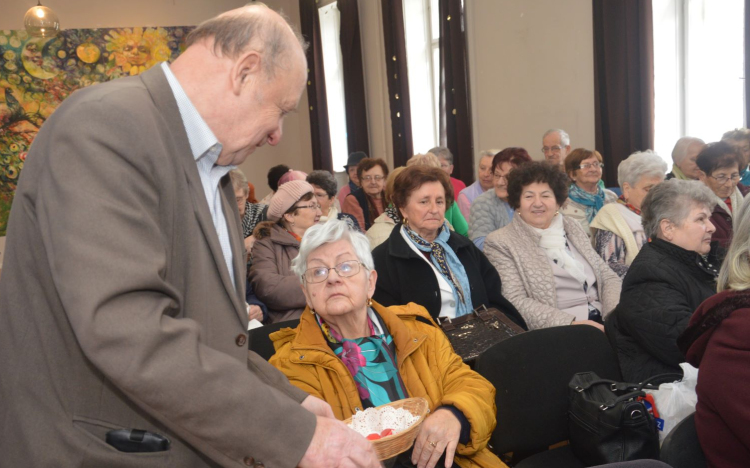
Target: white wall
x: 108, y: 13
x: 531, y: 69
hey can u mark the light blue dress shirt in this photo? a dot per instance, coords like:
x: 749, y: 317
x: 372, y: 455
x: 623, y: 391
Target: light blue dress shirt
x: 206, y: 149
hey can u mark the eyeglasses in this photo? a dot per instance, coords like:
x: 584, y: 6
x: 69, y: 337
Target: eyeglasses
x: 314, y: 206
x: 497, y: 176
x: 376, y: 178
x: 722, y: 179
x: 344, y: 269
x: 553, y: 149
x: 588, y: 165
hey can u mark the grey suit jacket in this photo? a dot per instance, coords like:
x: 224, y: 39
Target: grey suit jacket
x: 116, y: 307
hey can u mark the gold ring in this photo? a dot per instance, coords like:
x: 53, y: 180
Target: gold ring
x: 432, y: 444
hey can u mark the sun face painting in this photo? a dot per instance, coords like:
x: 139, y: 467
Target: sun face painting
x: 37, y: 74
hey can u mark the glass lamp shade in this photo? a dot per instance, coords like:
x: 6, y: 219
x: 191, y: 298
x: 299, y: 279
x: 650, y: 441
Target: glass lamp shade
x: 40, y: 21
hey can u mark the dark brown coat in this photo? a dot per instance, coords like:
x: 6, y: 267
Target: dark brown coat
x: 271, y: 274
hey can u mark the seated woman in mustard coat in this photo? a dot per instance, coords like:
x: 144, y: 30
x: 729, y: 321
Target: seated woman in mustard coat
x: 354, y: 354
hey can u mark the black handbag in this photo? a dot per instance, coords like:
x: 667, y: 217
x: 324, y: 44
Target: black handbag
x: 608, y: 423
x: 472, y: 334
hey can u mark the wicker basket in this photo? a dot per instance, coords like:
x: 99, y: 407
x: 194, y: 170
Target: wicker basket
x: 390, y: 446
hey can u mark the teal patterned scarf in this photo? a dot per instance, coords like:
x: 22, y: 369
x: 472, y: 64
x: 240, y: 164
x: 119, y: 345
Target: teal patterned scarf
x: 448, y: 264
x: 371, y: 361
x: 592, y: 202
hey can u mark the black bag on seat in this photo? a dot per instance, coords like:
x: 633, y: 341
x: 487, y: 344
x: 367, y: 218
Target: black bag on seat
x: 608, y: 423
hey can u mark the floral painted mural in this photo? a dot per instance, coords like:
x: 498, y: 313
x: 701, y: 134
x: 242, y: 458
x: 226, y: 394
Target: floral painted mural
x: 37, y: 74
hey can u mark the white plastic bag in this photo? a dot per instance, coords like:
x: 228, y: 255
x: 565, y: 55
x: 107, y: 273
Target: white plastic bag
x: 675, y: 401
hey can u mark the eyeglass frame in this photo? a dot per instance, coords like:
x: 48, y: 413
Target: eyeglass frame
x: 369, y: 178
x: 316, y: 206
x: 587, y: 165
x: 733, y: 177
x: 335, y: 267
x: 552, y: 149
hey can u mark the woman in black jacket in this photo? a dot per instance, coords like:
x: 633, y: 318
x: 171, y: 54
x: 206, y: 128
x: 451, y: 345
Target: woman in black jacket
x: 667, y: 281
x: 424, y: 262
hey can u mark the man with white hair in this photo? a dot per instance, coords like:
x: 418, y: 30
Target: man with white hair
x: 123, y: 327
x: 556, y: 146
x: 684, y: 154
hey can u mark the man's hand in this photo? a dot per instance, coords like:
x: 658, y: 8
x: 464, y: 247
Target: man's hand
x: 439, y: 433
x: 317, y: 407
x: 334, y: 445
x: 254, y: 312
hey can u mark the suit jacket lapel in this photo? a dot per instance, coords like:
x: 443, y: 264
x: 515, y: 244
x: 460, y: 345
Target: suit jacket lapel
x: 161, y: 93
x: 234, y: 226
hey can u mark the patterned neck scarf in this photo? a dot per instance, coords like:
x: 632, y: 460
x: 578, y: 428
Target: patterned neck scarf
x: 621, y: 200
x: 592, y: 202
x: 371, y: 360
x: 392, y: 213
x: 447, y: 263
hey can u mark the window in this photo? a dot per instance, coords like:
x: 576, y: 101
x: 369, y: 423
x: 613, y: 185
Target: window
x: 698, y: 70
x: 330, y: 27
x: 422, y: 35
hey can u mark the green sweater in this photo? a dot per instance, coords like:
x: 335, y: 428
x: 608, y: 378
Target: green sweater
x: 457, y: 220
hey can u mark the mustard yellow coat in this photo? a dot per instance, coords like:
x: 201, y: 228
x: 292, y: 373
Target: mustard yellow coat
x: 426, y: 362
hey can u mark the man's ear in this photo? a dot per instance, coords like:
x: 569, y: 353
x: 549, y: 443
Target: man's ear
x: 702, y: 176
x: 245, y: 69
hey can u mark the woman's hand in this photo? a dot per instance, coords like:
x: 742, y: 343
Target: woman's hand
x: 439, y: 433
x: 254, y: 312
x: 590, y: 323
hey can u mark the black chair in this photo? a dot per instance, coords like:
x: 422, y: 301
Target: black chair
x: 681, y: 448
x: 531, y: 372
x: 260, y: 342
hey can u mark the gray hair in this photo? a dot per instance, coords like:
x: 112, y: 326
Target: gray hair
x: 735, y: 271
x: 488, y: 152
x: 442, y: 152
x: 235, y: 32
x: 428, y: 159
x: 673, y: 200
x: 239, y: 181
x: 680, y: 148
x: 324, y: 180
x: 564, y: 137
x: 326, y: 233
x: 640, y: 164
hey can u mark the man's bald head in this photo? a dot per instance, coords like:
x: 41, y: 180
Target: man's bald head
x: 253, y: 27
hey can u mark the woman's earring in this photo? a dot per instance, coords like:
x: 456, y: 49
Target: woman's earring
x: 369, y: 302
x: 406, y: 221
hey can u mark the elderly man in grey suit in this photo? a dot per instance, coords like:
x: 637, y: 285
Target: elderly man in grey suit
x: 122, y: 325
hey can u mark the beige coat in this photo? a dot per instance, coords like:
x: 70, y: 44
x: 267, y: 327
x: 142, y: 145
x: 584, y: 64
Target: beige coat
x: 271, y: 275
x: 526, y: 274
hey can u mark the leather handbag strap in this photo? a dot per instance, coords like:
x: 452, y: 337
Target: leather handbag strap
x: 626, y: 386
